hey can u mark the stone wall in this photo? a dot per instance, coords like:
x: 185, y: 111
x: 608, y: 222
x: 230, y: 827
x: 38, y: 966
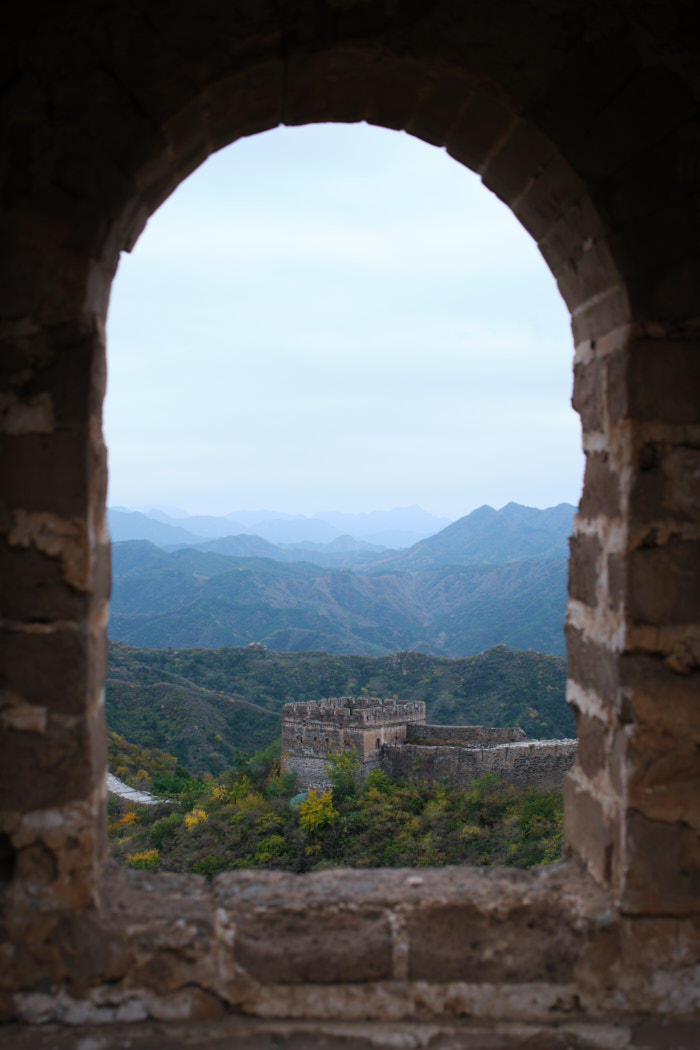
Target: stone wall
x: 542, y: 764
x: 465, y: 736
x: 378, y: 730
x: 584, y: 119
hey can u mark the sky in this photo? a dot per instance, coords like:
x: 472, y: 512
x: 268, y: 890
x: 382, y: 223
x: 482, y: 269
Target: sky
x: 338, y: 317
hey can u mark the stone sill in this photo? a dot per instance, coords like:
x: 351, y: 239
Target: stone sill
x: 252, y: 1034
x: 420, y: 945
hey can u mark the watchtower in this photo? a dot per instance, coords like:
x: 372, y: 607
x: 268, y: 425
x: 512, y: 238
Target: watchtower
x: 313, y: 732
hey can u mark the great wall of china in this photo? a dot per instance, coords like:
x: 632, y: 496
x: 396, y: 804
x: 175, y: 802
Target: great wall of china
x: 394, y: 737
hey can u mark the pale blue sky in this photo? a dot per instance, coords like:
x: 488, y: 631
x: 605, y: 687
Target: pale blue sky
x: 338, y: 317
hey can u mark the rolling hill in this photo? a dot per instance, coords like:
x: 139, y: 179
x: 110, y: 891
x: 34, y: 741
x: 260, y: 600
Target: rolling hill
x: 490, y: 537
x: 191, y: 598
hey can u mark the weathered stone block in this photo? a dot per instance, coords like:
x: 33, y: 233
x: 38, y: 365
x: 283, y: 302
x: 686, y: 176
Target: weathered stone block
x: 590, y: 832
x: 46, y: 669
x: 291, y: 947
x: 601, y: 488
x: 449, y: 943
x: 657, y: 697
x: 34, y: 587
x: 663, y: 585
x: 584, y: 567
x: 44, y: 770
x: 666, y: 484
x: 593, y: 744
x: 593, y: 665
x: 662, y: 867
x: 478, y: 131
x: 664, y: 378
x: 47, y: 473
x: 663, y: 775
x: 588, y: 399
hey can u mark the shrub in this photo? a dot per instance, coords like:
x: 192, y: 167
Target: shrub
x: 149, y: 860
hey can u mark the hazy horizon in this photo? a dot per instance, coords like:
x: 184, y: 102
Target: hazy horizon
x: 181, y: 512
x: 338, y: 316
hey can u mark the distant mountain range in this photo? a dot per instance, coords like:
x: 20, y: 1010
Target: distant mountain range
x: 492, y: 577
x: 484, y: 537
x: 400, y: 527
x: 490, y: 537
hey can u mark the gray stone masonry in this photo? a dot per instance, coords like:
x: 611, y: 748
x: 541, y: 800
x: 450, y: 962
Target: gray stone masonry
x: 378, y: 730
x: 465, y: 736
x: 541, y: 764
x: 312, y: 732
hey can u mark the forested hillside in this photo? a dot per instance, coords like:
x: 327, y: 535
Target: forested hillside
x: 252, y: 817
x: 192, y: 598
x: 202, y: 705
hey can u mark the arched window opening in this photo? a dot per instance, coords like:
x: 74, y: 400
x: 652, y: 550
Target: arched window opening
x: 308, y: 325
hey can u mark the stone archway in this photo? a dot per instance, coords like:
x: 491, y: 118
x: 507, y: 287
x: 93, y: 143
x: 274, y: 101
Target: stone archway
x: 586, y: 126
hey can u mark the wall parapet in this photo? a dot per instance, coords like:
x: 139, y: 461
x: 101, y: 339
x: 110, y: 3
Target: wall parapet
x: 542, y: 764
x: 466, y: 736
x: 355, y: 711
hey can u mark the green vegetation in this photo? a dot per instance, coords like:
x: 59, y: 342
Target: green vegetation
x: 147, y: 769
x: 244, y: 819
x: 205, y: 705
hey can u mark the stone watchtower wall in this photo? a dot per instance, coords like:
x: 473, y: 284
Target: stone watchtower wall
x: 313, y: 732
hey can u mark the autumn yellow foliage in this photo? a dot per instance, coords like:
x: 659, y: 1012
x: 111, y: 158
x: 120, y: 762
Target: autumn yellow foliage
x: 148, y: 860
x: 197, y: 816
x: 317, y: 811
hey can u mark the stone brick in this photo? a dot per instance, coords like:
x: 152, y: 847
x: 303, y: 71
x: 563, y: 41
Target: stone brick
x: 47, y: 472
x: 68, y: 363
x: 590, y: 833
x: 593, y: 744
x: 662, y: 867
x: 47, y: 669
x: 524, y: 155
x: 593, y: 665
x: 395, y: 92
x: 318, y: 946
x: 584, y: 564
x: 242, y: 104
x: 348, y: 75
x: 598, y: 317
x: 587, y: 399
x: 34, y: 588
x: 439, y: 106
x: 658, y: 697
x: 617, y: 578
x: 662, y: 583
x: 549, y: 195
x: 664, y: 378
x: 482, y: 126
x: 44, y: 770
x: 617, y: 368
x: 666, y: 483
x: 448, y: 943
x: 663, y: 775
x: 601, y: 488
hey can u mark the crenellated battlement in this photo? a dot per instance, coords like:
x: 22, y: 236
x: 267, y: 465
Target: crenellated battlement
x: 355, y: 711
